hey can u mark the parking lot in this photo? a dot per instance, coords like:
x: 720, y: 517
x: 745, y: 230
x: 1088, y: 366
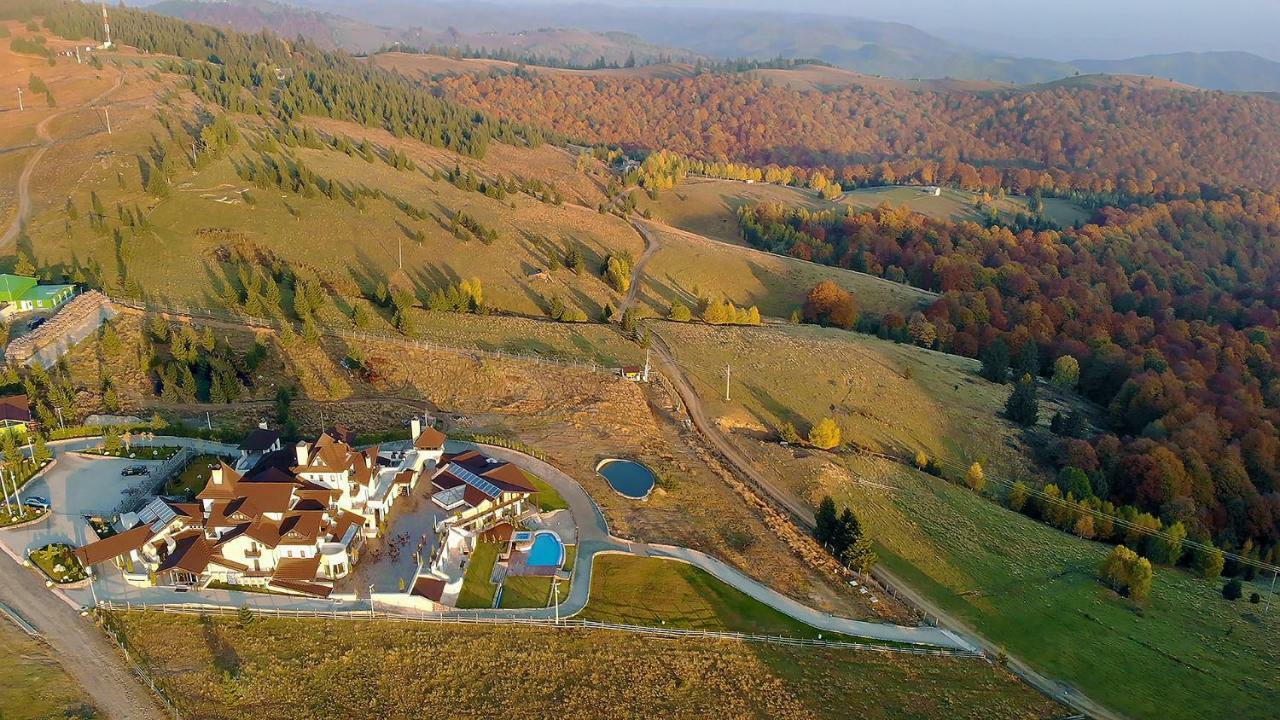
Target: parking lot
x: 76, y: 486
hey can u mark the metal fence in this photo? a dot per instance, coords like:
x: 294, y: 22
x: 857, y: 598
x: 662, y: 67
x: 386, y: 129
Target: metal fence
x: 151, y: 485
x: 143, y: 675
x: 567, y: 623
x: 220, y: 315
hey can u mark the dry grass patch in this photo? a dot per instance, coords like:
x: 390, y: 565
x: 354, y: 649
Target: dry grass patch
x: 217, y: 668
x: 32, y: 684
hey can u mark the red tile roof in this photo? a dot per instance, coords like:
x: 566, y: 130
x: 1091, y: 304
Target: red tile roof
x: 429, y: 439
x: 114, y: 546
x: 429, y: 588
x: 15, y: 408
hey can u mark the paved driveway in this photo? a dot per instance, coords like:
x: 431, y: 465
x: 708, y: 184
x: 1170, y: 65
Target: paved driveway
x: 76, y: 486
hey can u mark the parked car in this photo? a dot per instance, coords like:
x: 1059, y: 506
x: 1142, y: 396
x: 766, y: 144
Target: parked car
x: 37, y: 322
x: 36, y: 502
x: 135, y: 470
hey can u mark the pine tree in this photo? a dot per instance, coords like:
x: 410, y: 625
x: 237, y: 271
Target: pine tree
x: 1022, y: 406
x: 995, y: 361
x: 825, y: 521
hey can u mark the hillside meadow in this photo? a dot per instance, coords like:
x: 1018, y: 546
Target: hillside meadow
x: 708, y: 206
x: 1022, y: 584
x: 220, y: 668
x: 688, y: 267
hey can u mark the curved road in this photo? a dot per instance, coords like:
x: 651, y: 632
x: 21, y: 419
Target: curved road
x: 594, y: 538
x: 46, y: 142
x: 650, y: 247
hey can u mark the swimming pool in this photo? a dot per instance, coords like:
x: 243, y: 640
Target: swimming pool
x: 629, y: 479
x: 547, y: 550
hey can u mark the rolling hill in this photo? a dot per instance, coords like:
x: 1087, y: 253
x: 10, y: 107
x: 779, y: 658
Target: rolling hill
x: 546, y: 45
x: 1218, y: 70
x: 868, y: 46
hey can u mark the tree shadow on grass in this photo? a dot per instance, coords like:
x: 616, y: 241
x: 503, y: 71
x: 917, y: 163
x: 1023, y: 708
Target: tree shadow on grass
x: 225, y: 658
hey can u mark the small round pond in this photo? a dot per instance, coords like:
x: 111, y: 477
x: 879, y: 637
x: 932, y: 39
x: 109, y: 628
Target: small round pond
x: 628, y: 478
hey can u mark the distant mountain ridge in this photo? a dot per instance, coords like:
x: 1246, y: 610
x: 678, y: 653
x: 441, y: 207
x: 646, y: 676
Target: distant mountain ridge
x: 330, y: 30
x: 1230, y: 70
x: 581, y: 34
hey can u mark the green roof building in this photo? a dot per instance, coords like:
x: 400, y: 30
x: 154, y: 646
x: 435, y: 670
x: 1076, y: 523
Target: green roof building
x: 25, y: 293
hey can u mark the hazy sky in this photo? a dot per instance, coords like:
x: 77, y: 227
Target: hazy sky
x: 1059, y: 29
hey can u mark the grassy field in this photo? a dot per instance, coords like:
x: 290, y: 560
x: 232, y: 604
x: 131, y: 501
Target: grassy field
x: 1023, y: 584
x: 688, y: 267
x: 32, y: 684
x: 658, y: 592
x: 477, y: 591
x: 944, y: 408
x: 1034, y: 589
x: 709, y: 207
x: 526, y: 592
x: 582, y: 342
x: 218, y: 669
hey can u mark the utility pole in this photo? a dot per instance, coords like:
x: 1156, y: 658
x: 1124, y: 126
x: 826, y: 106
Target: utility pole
x: 1266, y: 610
x: 728, y: 371
x: 400, y: 250
x: 555, y: 587
x: 20, y: 108
x: 107, y: 110
x: 4, y: 486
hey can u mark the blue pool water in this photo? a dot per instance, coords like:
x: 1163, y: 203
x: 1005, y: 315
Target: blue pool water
x: 547, y: 551
x: 629, y: 479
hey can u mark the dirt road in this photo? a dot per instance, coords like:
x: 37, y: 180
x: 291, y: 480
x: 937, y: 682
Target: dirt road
x: 82, y: 649
x: 46, y: 142
x: 637, y: 273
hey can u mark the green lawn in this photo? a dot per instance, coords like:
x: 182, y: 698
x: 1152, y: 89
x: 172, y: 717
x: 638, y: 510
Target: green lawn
x: 192, y: 479
x: 1184, y: 653
x: 526, y: 592
x: 548, y: 498
x: 32, y: 684
x: 477, y: 591
x: 653, y: 591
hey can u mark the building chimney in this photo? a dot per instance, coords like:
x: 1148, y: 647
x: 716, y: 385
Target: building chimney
x: 302, y: 449
x: 216, y: 476
x: 262, y: 424
x: 415, y: 427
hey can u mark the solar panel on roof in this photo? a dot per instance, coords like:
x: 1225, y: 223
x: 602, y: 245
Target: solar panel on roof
x: 474, y: 480
x: 157, y: 514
